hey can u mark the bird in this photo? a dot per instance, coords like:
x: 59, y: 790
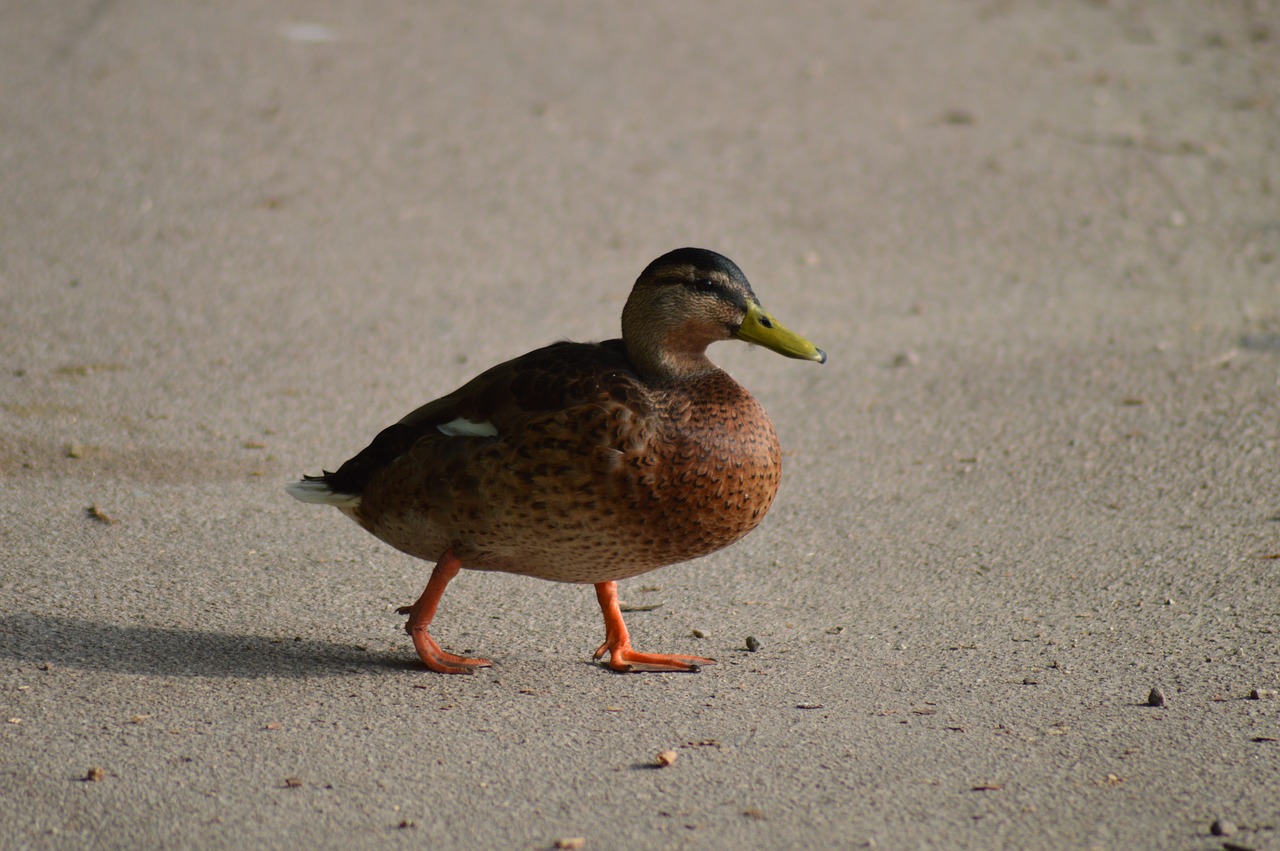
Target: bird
x: 583, y: 463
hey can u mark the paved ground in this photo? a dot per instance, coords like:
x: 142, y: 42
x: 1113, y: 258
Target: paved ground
x: 1039, y: 476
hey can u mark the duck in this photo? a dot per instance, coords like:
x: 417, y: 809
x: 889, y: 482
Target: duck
x: 586, y: 463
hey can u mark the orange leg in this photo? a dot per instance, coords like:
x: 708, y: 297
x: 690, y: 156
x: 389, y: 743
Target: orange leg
x: 617, y: 641
x: 421, y: 614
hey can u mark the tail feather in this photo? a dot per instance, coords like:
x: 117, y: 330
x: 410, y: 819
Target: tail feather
x: 317, y: 490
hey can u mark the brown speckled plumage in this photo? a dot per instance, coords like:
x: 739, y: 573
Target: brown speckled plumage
x: 583, y: 462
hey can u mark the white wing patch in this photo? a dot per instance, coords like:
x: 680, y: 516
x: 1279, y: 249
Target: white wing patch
x: 465, y: 428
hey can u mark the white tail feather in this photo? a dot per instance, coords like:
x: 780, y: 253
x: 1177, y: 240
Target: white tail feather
x: 321, y: 494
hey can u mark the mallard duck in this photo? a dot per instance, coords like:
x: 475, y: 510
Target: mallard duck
x: 583, y: 462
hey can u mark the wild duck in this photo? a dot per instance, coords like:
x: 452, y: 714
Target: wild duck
x: 583, y: 462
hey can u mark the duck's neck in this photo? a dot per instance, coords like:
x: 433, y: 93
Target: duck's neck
x: 662, y: 343
x: 679, y: 355
x: 668, y: 368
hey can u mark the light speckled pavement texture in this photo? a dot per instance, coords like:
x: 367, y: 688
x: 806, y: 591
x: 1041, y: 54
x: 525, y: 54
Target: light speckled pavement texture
x: 1039, y: 476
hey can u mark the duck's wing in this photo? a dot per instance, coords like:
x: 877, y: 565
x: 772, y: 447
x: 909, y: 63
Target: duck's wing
x: 557, y: 382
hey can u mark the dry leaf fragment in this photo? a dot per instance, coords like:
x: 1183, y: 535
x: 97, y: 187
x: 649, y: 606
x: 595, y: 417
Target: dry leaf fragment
x: 96, y: 513
x: 987, y: 787
x: 572, y: 842
x: 666, y: 758
x: 93, y: 775
x: 292, y: 782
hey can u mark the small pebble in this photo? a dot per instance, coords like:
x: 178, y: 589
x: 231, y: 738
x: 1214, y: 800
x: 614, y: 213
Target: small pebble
x: 1156, y: 698
x: 93, y: 775
x: 753, y: 643
x: 1222, y: 827
x: 697, y: 633
x: 573, y: 842
x: 666, y: 758
x: 1263, y: 694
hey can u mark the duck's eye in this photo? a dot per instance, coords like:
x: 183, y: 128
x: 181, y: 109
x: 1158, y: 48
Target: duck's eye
x: 705, y: 285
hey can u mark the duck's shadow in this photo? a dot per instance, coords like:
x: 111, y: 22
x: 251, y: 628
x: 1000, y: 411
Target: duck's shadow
x: 37, y: 639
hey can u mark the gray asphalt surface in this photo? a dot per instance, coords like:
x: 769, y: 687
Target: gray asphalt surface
x: 1039, y: 477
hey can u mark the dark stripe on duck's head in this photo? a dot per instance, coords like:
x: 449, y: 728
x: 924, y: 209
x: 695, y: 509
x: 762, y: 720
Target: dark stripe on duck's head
x: 701, y: 270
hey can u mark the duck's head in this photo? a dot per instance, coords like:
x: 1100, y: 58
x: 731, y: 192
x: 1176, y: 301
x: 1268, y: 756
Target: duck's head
x: 690, y: 298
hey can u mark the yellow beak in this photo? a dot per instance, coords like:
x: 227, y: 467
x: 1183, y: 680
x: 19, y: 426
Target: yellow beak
x: 762, y: 329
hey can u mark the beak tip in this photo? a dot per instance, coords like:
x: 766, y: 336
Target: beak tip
x: 822, y: 356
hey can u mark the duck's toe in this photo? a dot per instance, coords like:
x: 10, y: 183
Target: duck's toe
x: 440, y: 660
x: 628, y: 661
